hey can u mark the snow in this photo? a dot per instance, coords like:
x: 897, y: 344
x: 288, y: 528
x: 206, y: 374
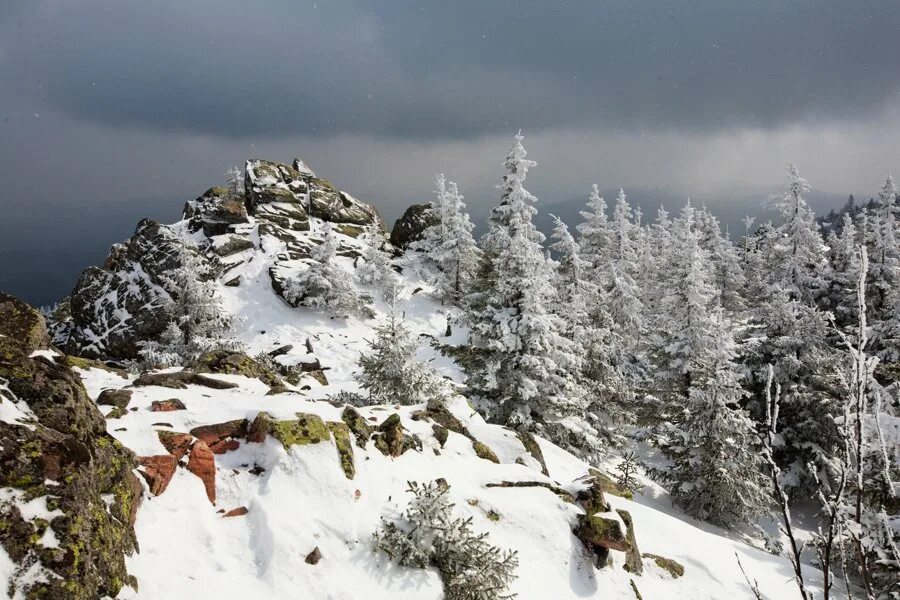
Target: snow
x: 303, y: 500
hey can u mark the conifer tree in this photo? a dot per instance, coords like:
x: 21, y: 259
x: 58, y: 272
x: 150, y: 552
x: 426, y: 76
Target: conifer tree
x: 448, y: 243
x: 525, y: 375
x: 800, y: 251
x: 390, y: 371
x: 709, y: 441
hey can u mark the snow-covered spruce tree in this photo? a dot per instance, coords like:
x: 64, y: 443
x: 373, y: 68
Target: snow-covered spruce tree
x: 800, y: 251
x: 324, y: 284
x: 578, y: 302
x: 526, y: 373
x: 885, y: 274
x: 428, y: 535
x: 726, y: 270
x: 714, y: 470
x: 198, y: 320
x: 844, y: 271
x: 389, y: 371
x: 376, y: 269
x: 449, y: 243
x: 595, y: 234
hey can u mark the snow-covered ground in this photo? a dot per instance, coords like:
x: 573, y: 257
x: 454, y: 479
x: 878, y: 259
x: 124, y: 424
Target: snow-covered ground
x: 303, y: 500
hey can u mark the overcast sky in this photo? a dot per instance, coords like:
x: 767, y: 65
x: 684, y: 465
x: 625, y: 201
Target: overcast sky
x: 113, y: 110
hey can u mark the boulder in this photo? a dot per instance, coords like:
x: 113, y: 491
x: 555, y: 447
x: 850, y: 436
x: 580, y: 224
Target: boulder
x: 410, y: 226
x: 600, y: 534
x: 484, y: 452
x: 234, y: 363
x: 216, y: 212
x: 176, y: 443
x: 63, y: 454
x: 226, y: 245
x: 219, y: 432
x: 118, y: 398
x: 179, y: 380
x: 391, y: 440
x: 314, y: 557
x: 633, y: 562
x: 167, y: 405
x: 329, y: 204
x: 158, y: 471
x: 361, y: 430
x: 202, y: 463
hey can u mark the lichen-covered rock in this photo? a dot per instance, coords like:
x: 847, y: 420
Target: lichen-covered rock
x: 58, y: 452
x: 608, y: 485
x: 305, y: 429
x: 633, y: 562
x: 235, y: 363
x: 410, y: 226
x: 603, y: 531
x: 126, y: 301
x: 534, y: 449
x: 592, y: 499
x: 226, y: 245
x: 672, y: 567
x: 361, y: 430
x: 391, y: 440
x: 216, y: 212
x: 484, y: 451
x: 437, y: 411
x: 179, y: 380
x: 441, y: 434
x: 344, y: 446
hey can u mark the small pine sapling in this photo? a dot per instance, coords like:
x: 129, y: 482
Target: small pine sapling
x: 626, y: 471
x: 428, y: 535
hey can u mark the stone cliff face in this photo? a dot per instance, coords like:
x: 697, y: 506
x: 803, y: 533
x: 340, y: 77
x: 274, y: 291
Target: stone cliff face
x: 66, y: 519
x: 116, y: 306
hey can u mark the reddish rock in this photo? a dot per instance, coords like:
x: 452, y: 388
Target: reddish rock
x: 221, y: 431
x: 314, y: 557
x: 202, y: 463
x: 240, y: 511
x: 158, y: 471
x: 176, y: 443
x: 223, y: 446
x: 167, y: 405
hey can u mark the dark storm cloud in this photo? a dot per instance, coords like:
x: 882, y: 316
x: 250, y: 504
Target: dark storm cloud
x: 437, y: 70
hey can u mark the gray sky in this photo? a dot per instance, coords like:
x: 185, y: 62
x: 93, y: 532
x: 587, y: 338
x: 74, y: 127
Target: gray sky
x: 114, y: 110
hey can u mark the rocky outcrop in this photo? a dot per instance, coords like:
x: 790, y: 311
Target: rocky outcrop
x: 235, y: 363
x: 391, y: 439
x: 168, y: 405
x: 216, y: 212
x: 410, y: 226
x: 125, y: 301
x: 54, y: 451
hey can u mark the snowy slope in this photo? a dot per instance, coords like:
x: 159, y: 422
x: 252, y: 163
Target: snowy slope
x: 303, y: 499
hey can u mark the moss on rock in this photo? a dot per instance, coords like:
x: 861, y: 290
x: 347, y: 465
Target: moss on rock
x: 484, y: 451
x: 672, y: 567
x: 305, y: 429
x: 341, y: 434
x: 361, y: 430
